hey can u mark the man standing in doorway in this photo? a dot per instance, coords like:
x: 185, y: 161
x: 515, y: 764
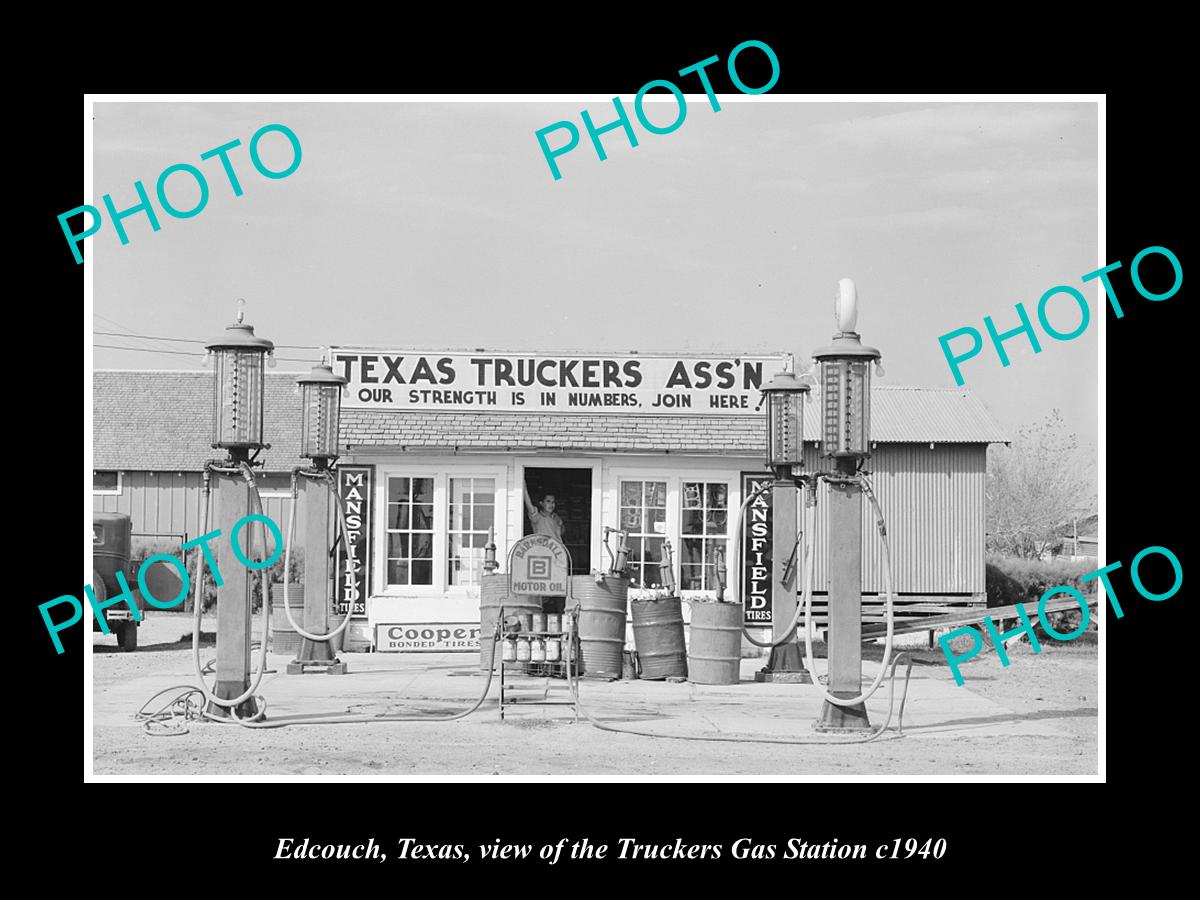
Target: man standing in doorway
x: 545, y: 520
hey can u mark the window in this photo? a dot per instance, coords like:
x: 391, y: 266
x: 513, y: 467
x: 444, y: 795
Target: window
x: 472, y: 515
x: 431, y: 531
x: 704, y: 526
x: 644, y: 519
x: 278, y: 484
x: 409, y: 527
x: 105, y: 482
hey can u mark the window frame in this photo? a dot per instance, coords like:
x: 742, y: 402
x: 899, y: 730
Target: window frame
x: 441, y: 476
x: 108, y: 492
x: 705, y: 538
x: 675, y: 478
x: 450, y: 531
x: 411, y: 531
x: 665, y: 534
x: 276, y: 492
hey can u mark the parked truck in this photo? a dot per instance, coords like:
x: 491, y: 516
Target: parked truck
x: 112, y: 546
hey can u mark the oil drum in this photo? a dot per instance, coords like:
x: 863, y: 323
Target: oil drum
x: 658, y: 637
x: 601, y: 623
x: 493, y: 592
x: 284, y: 638
x: 715, y: 649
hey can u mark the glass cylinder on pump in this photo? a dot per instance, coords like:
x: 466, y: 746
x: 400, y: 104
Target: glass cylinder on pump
x: 784, y: 396
x: 845, y: 379
x: 238, y: 381
x: 321, y: 393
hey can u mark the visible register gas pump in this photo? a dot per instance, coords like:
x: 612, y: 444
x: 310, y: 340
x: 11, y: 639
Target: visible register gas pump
x: 846, y: 439
x: 238, y: 358
x: 845, y: 381
x: 321, y: 391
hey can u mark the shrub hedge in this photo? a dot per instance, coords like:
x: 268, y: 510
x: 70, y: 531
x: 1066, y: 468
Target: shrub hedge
x: 1017, y: 580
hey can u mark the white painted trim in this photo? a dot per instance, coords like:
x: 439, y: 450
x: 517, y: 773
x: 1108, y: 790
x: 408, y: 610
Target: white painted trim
x: 441, y: 473
x: 674, y: 477
x: 104, y: 492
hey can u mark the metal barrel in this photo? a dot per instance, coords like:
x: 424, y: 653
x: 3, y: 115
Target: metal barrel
x: 715, y: 649
x: 601, y: 622
x: 493, y: 593
x: 658, y: 637
x: 284, y: 638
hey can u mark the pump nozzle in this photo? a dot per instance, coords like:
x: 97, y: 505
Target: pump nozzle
x: 722, y: 574
x: 667, y: 568
x: 621, y: 563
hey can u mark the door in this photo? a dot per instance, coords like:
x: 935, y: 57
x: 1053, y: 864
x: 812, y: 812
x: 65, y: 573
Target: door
x: 566, y: 493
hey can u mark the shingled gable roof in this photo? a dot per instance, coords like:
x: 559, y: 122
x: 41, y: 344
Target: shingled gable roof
x: 147, y: 420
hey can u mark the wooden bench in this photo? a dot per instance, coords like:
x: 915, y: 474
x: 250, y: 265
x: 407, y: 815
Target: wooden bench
x: 956, y: 619
x: 875, y: 606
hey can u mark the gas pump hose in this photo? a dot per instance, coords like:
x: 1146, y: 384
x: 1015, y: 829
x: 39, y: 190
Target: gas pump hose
x: 183, y: 706
x: 890, y: 613
x: 573, y: 684
x: 248, y: 474
x: 737, y: 557
x: 287, y: 558
x: 366, y: 720
x: 809, y: 564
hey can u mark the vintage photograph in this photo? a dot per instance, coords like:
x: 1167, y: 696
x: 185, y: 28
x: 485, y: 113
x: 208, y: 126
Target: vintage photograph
x: 559, y: 441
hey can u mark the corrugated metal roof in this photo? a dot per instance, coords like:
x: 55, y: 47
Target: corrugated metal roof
x: 941, y: 415
x: 160, y: 420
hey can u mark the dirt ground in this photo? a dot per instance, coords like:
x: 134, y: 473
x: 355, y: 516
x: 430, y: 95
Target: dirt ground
x: 1037, y: 716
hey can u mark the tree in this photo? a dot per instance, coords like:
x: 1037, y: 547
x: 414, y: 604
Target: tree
x: 1036, y: 486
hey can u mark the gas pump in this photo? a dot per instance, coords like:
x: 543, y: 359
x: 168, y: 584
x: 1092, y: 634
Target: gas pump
x: 784, y: 396
x: 845, y: 379
x: 321, y: 391
x: 845, y: 368
x: 238, y: 357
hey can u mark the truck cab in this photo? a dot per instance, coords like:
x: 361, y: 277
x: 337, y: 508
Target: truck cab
x: 112, y: 546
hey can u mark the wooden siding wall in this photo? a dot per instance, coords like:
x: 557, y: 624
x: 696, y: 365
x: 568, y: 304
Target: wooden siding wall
x: 172, y: 504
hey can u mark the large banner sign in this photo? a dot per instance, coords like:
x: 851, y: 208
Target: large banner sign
x: 354, y: 487
x: 757, y: 538
x: 631, y: 383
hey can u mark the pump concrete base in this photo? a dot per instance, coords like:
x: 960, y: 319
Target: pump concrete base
x: 842, y: 718
x: 785, y: 666
x: 223, y: 690
x: 316, y: 656
x: 318, y: 666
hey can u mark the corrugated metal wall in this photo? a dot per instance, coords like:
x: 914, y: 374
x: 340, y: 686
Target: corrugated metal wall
x: 934, y: 504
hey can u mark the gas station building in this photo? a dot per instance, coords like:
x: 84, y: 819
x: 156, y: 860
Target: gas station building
x: 440, y: 448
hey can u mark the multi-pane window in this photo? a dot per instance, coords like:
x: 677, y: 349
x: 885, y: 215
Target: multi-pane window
x: 106, y: 482
x: 644, y: 519
x: 409, y: 525
x: 276, y: 484
x: 472, y: 515
x: 703, y: 527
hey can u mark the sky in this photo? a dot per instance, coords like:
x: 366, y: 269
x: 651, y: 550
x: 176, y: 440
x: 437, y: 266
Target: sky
x: 440, y: 226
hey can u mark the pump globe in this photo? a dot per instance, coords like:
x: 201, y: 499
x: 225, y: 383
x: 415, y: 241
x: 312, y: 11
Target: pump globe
x: 846, y: 310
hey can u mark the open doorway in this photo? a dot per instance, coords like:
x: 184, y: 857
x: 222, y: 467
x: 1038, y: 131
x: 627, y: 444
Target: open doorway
x: 571, y: 493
